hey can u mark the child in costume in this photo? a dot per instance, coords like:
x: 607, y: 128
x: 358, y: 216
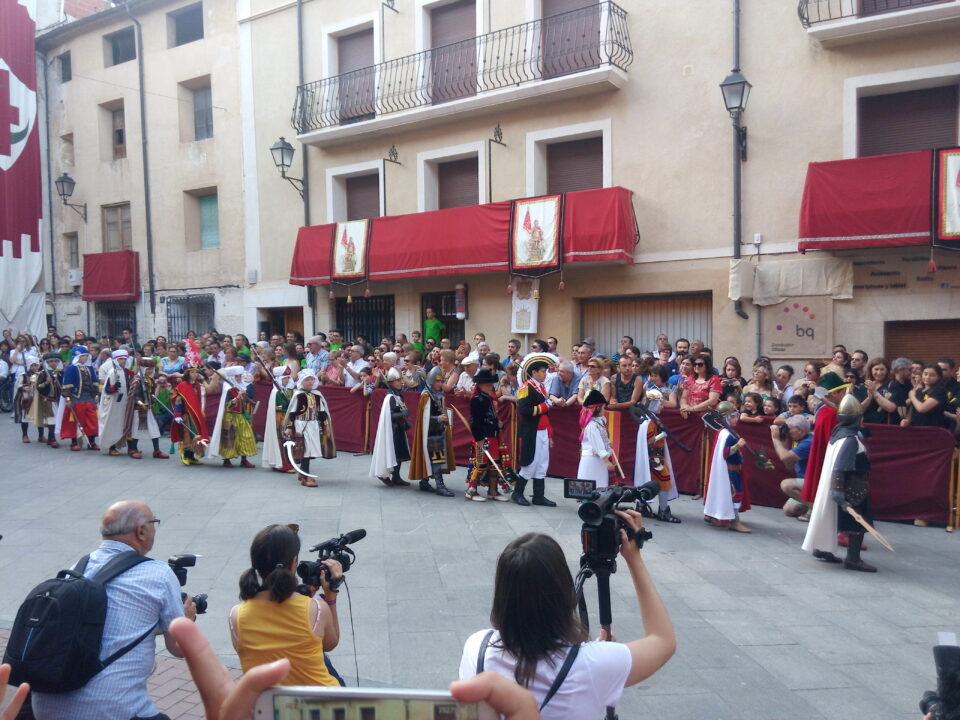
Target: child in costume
x: 115, y: 422
x: 79, y: 396
x: 485, y: 428
x: 143, y: 388
x: 189, y: 424
x: 274, y: 456
x: 43, y: 412
x: 432, y: 451
x: 534, y: 432
x: 726, y: 493
x: 596, y: 453
x: 307, y: 423
x: 232, y: 435
x: 390, y: 446
x: 653, y: 459
x: 24, y: 390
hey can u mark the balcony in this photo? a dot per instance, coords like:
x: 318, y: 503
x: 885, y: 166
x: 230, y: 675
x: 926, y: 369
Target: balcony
x: 574, y: 53
x: 842, y: 22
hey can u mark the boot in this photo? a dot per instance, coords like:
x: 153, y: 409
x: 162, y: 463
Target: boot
x: 244, y: 463
x: 160, y: 455
x: 227, y: 463
x: 52, y: 441
x: 853, y: 561
x: 518, y: 489
x: 665, y: 515
x: 425, y: 485
x: 538, y: 497
x: 395, y: 478
x: 442, y: 489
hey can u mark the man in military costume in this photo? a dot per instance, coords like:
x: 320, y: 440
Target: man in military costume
x: 79, y: 392
x: 390, y: 446
x: 534, y: 432
x: 432, y: 452
x: 144, y: 426
x: 485, y: 428
x: 44, y: 410
x: 844, y: 483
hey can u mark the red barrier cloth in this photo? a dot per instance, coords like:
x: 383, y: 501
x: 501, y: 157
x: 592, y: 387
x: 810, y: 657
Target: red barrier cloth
x: 111, y: 276
x: 599, y: 225
x: 311, y: 255
x: 349, y: 413
x: 867, y: 202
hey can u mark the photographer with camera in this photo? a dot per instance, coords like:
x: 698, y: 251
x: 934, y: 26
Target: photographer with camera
x: 792, y: 442
x: 536, y: 630
x: 275, y: 621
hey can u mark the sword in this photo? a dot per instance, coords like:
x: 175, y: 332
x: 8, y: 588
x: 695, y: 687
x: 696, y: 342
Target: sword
x: 640, y: 411
x: 182, y: 424
x: 495, y: 466
x: 617, y: 461
x: 715, y: 421
x: 289, y: 446
x: 869, y: 528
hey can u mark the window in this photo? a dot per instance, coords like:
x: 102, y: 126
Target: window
x: 355, y: 61
x: 363, y: 197
x: 906, y: 121
x: 372, y: 317
x: 185, y: 25
x: 202, y: 113
x: 116, y: 228
x: 119, y: 47
x: 339, y: 714
x: 113, y: 317
x: 66, y: 69
x: 66, y: 150
x: 453, y: 56
x: 71, y: 243
x: 458, y: 183
x: 570, y: 37
x: 368, y: 713
x: 209, y: 222
x: 189, y: 312
x: 575, y: 165
x: 119, y: 134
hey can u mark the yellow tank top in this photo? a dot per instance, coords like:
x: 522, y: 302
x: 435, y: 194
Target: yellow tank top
x: 268, y: 631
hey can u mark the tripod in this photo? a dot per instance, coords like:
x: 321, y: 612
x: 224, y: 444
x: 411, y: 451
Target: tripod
x: 601, y: 567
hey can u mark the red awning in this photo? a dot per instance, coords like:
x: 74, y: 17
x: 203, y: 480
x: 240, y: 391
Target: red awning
x: 867, y: 202
x: 111, y: 276
x: 599, y: 226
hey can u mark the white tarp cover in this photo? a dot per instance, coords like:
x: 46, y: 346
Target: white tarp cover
x: 769, y: 283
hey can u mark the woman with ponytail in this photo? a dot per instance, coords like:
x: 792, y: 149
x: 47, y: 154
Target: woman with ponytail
x: 274, y: 621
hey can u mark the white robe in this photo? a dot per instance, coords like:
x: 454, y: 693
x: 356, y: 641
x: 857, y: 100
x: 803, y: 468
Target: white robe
x: 272, y: 452
x: 111, y: 411
x: 384, y: 453
x: 719, y: 500
x: 594, y: 449
x: 213, y: 450
x: 822, y: 528
x: 641, y: 468
x: 310, y: 430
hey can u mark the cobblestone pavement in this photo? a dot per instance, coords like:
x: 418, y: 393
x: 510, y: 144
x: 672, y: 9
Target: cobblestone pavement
x: 764, y: 631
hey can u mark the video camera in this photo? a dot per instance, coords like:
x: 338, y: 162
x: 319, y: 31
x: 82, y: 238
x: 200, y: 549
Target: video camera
x: 600, y: 533
x: 310, y: 571
x: 944, y: 704
x: 179, y: 565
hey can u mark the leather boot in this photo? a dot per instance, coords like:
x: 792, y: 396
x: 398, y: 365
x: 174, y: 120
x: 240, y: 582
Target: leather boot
x: 442, y: 489
x: 518, y: 489
x: 538, y: 497
x: 425, y: 485
x: 853, y: 561
x: 395, y: 478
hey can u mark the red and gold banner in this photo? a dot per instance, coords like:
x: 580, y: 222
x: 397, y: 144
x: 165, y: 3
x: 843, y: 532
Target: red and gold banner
x: 946, y: 189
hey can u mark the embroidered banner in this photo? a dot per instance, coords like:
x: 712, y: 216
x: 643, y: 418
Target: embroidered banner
x: 536, y: 234
x: 946, y: 203
x: 349, y: 252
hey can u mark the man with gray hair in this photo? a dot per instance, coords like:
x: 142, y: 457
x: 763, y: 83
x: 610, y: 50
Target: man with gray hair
x: 793, y: 451
x: 900, y: 385
x: 141, y: 603
x: 563, y: 385
x: 317, y: 359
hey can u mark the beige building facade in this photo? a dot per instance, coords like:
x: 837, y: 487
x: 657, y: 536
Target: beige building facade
x: 616, y: 94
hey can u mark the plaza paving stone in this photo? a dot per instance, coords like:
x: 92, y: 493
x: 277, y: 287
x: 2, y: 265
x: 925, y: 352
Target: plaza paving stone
x: 764, y: 631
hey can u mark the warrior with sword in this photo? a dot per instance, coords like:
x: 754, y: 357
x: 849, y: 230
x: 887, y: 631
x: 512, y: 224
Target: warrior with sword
x: 726, y: 493
x: 653, y: 456
x: 308, y: 428
x: 485, y: 428
x: 189, y: 423
x: 144, y: 426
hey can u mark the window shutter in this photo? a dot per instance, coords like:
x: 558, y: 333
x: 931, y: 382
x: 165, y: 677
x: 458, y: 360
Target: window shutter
x: 357, y: 76
x: 571, y: 42
x: 908, y: 121
x: 458, y: 183
x: 876, y: 7
x: 209, y: 222
x: 453, y: 23
x: 363, y: 197
x: 575, y: 165
x: 921, y: 340
x: 355, y: 51
x: 453, y: 62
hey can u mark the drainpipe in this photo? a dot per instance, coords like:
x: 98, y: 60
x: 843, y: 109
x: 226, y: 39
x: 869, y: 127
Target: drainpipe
x: 53, y: 257
x: 146, y: 166
x: 737, y: 161
x: 311, y: 290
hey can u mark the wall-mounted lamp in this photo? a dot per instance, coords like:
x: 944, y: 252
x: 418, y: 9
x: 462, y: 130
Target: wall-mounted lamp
x: 282, y: 152
x: 65, y: 185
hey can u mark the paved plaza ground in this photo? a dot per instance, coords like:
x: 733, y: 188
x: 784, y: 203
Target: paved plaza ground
x: 764, y: 631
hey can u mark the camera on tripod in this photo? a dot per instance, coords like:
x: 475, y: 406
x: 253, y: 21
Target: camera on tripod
x: 179, y: 565
x: 310, y: 571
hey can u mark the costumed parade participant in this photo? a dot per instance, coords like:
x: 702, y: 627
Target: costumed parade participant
x: 596, y: 453
x: 274, y: 456
x: 24, y: 389
x: 189, y: 424
x: 726, y: 494
x: 115, y: 421
x: 485, y: 428
x: 232, y: 435
x: 390, y: 446
x: 307, y: 424
x: 653, y: 459
x: 534, y: 432
x: 79, y: 395
x: 144, y: 426
x: 843, y: 484
x: 43, y: 412
x: 432, y: 451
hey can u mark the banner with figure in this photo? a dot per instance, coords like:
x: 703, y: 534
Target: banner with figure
x: 946, y: 201
x: 348, y: 253
x: 535, y: 236
x: 20, y: 192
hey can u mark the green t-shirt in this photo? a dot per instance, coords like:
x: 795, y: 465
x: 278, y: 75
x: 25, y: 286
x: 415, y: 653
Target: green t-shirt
x: 433, y: 328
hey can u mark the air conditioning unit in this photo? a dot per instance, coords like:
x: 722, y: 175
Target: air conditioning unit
x: 75, y: 277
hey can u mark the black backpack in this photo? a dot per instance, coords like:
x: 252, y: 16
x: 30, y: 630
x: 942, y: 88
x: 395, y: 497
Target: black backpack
x: 56, y: 639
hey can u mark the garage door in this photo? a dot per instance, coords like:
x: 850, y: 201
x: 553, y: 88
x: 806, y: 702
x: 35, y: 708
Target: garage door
x: 922, y: 340
x: 645, y: 317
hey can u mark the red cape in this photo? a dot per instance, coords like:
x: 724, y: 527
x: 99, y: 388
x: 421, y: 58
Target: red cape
x: 826, y: 421
x: 191, y: 405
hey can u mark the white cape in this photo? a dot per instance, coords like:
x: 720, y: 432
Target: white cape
x: 719, y: 500
x: 384, y: 453
x: 111, y: 411
x: 822, y: 529
x: 641, y: 468
x: 213, y: 450
x: 272, y: 453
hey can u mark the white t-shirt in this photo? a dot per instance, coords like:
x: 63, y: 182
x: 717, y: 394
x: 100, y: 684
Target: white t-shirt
x: 596, y: 678
x: 357, y: 365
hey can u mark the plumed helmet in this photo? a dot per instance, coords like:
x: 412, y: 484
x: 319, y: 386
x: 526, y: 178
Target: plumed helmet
x: 726, y: 408
x: 393, y: 375
x: 435, y: 374
x: 849, y: 411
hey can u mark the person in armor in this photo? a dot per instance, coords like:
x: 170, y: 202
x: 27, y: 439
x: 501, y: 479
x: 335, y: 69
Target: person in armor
x: 23, y: 394
x: 534, y: 432
x: 596, y: 453
x: 79, y: 392
x: 485, y: 428
x: 307, y: 423
x: 232, y: 435
x: 43, y: 412
x: 726, y: 496
x: 143, y: 395
x: 432, y: 451
x: 653, y: 460
x: 390, y: 446
x: 844, y: 483
x: 115, y: 422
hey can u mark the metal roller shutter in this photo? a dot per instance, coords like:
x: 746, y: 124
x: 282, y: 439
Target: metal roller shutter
x: 570, y: 43
x: 921, y: 340
x: 453, y: 31
x: 907, y: 121
x: 363, y: 197
x: 357, y: 76
x: 575, y: 165
x: 643, y: 318
x: 458, y: 183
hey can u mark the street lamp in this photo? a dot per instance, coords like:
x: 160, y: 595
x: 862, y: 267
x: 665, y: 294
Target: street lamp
x: 65, y: 185
x: 282, y: 153
x: 736, y: 91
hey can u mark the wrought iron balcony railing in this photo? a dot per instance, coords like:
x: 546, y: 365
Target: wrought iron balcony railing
x: 816, y: 11
x: 559, y: 45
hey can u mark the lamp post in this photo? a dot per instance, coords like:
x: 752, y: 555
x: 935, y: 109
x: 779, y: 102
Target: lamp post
x: 282, y: 153
x: 65, y: 185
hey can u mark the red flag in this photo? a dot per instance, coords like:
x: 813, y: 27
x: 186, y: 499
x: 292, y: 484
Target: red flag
x: 527, y: 225
x: 343, y: 238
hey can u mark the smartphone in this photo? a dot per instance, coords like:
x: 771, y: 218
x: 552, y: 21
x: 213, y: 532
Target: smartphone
x: 338, y: 703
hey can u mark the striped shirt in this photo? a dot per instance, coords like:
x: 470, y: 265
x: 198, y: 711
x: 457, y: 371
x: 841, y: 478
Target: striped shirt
x: 143, y: 596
